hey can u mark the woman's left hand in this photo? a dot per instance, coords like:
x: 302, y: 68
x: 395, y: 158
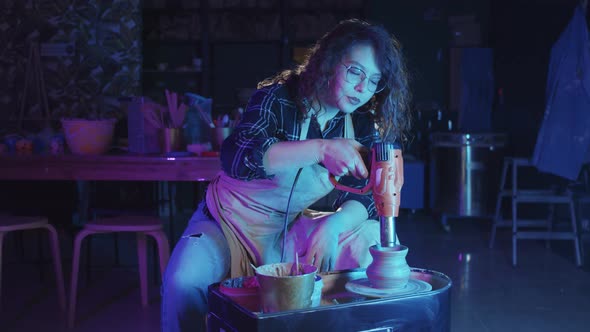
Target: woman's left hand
x: 322, y: 246
x: 323, y: 249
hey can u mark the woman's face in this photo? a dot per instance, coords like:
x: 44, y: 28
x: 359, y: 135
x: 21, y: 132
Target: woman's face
x: 355, y: 80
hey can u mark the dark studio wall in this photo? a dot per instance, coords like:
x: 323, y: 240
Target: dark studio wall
x: 99, y: 63
x: 420, y: 26
x: 522, y: 34
x: 519, y: 32
x: 428, y: 31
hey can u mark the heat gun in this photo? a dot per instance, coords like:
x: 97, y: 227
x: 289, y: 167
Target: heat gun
x: 385, y: 183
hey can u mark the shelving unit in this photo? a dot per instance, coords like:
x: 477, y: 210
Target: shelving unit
x: 238, y: 42
x: 171, y: 40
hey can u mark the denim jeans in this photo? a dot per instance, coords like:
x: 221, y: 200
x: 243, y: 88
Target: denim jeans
x: 201, y: 257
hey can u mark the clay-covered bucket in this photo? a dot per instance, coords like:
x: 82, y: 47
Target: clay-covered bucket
x: 280, y: 290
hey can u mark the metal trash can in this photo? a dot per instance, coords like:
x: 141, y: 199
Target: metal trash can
x: 465, y: 173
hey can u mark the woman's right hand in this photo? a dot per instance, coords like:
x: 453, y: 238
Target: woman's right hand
x: 342, y: 156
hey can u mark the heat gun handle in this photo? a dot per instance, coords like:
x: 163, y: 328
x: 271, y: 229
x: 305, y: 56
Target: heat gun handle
x: 362, y: 191
x: 385, y: 182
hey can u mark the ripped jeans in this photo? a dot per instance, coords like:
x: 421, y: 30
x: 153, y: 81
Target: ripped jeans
x: 201, y: 257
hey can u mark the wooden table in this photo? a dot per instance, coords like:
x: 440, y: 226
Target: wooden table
x: 118, y: 167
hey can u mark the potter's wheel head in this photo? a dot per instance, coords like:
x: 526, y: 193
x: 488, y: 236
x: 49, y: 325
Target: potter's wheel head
x: 364, y: 287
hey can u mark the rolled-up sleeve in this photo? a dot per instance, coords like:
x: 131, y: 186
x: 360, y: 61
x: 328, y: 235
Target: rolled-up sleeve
x: 242, y: 152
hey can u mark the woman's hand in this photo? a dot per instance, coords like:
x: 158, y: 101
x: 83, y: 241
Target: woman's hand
x: 322, y: 245
x: 343, y: 156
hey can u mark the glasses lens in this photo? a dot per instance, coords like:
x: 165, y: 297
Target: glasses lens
x: 380, y: 86
x: 356, y: 75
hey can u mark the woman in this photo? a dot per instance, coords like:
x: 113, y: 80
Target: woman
x: 299, y: 127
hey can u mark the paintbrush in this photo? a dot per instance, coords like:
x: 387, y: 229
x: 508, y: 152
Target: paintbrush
x: 295, y: 266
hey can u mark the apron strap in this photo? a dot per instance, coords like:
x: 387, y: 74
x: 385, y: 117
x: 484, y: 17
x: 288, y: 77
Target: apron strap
x: 304, y: 129
x: 348, y: 127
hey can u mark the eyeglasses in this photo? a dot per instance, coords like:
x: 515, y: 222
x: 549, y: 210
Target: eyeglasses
x: 355, y: 75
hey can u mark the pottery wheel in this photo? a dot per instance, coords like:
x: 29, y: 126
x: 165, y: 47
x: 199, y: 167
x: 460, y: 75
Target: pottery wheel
x: 364, y: 287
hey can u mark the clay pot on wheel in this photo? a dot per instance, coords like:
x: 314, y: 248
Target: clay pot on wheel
x: 389, y: 269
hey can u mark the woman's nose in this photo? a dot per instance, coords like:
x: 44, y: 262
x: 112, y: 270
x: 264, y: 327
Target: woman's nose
x: 361, y: 86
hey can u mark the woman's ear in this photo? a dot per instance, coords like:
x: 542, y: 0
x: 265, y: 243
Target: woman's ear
x: 373, y: 104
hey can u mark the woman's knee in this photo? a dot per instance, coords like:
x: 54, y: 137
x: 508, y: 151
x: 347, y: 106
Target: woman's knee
x: 198, y: 260
x: 180, y: 278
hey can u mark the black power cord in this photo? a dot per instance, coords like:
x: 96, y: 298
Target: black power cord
x: 287, y: 216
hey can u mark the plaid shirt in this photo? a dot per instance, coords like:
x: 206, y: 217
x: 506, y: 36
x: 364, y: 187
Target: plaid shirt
x: 272, y: 116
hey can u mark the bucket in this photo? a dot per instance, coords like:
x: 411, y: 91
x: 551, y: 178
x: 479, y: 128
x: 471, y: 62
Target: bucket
x: 280, y: 291
x: 88, y: 137
x: 171, y: 140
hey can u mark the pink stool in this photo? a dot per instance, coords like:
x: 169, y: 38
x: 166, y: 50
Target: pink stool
x: 142, y: 225
x: 19, y: 223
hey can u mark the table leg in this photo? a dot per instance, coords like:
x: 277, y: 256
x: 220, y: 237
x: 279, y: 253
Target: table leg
x: 83, y: 188
x: 167, y: 204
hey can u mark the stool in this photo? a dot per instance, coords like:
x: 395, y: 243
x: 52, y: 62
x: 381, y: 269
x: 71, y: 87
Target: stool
x: 19, y: 223
x: 142, y: 225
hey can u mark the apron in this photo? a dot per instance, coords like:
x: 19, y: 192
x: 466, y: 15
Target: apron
x: 252, y: 218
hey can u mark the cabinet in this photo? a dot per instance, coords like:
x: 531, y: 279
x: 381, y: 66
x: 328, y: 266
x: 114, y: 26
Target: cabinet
x: 218, y: 48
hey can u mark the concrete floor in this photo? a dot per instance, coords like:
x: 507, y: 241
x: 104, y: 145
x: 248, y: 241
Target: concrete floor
x: 546, y: 292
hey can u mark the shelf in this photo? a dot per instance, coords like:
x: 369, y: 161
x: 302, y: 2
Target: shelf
x: 244, y: 10
x: 318, y: 10
x: 170, y: 11
x: 173, y: 41
x: 222, y: 41
x: 268, y: 29
x: 321, y: 11
x: 155, y: 71
x: 215, y: 10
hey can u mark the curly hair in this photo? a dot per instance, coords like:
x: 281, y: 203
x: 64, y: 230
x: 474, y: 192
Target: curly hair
x: 309, y: 80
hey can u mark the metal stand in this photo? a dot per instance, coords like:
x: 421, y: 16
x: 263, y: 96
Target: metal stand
x: 535, y: 196
x: 34, y: 75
